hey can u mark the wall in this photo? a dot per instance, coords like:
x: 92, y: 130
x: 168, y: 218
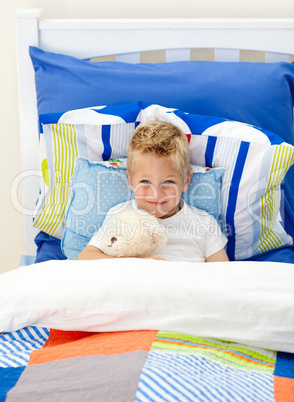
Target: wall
x: 11, y: 237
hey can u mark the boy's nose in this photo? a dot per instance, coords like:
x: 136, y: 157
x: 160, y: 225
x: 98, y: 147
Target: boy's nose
x: 158, y: 192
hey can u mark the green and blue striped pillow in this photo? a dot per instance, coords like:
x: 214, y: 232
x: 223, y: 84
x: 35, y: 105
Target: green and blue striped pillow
x: 64, y: 143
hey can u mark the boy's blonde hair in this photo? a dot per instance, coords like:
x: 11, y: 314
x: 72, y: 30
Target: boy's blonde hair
x: 162, y: 139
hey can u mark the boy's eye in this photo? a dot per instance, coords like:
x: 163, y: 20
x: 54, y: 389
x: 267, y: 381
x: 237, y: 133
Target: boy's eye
x: 145, y: 181
x: 168, y: 182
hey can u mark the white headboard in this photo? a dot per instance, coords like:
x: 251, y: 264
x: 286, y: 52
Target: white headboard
x: 127, y: 39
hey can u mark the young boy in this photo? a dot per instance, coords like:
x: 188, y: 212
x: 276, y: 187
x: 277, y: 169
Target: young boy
x: 158, y: 170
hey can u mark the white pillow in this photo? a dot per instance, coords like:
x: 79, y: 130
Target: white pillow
x: 251, y: 303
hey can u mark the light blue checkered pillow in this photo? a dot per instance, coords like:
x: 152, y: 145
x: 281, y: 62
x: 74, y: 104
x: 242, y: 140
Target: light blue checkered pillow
x: 98, y: 186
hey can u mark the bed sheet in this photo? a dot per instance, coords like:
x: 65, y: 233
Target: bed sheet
x: 38, y: 364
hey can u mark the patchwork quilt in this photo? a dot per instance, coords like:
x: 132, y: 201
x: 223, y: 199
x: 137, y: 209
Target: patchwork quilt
x: 38, y: 364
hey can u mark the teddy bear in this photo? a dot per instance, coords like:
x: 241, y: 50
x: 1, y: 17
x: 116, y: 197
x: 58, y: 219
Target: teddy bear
x: 133, y: 233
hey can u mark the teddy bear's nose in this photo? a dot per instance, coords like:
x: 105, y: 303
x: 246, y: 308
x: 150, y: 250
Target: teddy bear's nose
x: 113, y: 240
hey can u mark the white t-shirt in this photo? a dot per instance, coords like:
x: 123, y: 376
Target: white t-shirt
x: 192, y: 233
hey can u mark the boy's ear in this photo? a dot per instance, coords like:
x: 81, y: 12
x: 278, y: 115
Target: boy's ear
x: 130, y: 180
x: 187, y: 181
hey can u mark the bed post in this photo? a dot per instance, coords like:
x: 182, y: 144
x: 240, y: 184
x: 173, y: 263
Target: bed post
x: 27, y: 31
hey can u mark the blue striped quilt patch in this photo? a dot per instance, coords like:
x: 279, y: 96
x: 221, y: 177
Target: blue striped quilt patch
x: 185, y: 368
x: 16, y: 347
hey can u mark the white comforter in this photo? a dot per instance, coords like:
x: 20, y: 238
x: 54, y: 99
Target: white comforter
x: 246, y: 302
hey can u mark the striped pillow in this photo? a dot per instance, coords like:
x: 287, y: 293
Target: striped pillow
x: 251, y: 193
x: 100, y: 115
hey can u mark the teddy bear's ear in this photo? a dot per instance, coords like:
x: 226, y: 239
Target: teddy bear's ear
x: 113, y: 240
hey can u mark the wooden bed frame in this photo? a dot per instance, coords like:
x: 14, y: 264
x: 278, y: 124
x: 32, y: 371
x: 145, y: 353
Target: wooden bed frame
x: 230, y: 39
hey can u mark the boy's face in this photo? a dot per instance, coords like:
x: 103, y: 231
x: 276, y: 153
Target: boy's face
x: 158, y: 185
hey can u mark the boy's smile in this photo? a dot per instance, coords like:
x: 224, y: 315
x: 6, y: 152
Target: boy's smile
x: 158, y: 185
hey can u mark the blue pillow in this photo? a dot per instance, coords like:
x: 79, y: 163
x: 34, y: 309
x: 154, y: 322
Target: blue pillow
x: 204, y: 190
x: 98, y: 186
x: 48, y: 248
x: 256, y: 93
